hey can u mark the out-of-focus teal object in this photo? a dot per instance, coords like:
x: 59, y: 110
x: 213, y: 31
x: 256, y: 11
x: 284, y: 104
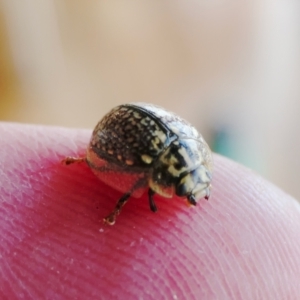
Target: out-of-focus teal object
x: 226, y: 141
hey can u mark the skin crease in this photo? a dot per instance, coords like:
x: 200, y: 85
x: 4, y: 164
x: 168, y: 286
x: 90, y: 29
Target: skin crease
x: 244, y: 243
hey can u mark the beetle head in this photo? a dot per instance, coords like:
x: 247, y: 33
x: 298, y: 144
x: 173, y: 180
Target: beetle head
x: 184, y: 169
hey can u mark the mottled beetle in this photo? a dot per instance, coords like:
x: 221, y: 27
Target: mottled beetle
x: 140, y: 145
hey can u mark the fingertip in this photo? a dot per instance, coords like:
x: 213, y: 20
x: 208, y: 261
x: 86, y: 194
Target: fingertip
x: 242, y: 243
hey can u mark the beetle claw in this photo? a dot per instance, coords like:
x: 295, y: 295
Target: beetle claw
x: 110, y: 219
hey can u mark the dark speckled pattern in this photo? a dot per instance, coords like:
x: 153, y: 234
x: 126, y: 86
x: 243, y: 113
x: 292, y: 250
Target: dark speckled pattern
x: 129, y: 136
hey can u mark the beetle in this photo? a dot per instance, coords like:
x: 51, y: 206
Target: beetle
x: 138, y: 146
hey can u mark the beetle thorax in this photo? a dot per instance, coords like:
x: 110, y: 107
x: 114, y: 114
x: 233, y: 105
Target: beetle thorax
x: 180, y: 170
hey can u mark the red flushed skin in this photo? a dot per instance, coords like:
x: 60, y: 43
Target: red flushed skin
x: 244, y: 243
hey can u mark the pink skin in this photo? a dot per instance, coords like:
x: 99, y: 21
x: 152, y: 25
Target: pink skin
x: 244, y: 243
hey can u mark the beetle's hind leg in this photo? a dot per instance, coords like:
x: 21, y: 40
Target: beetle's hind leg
x: 111, y: 218
x: 152, y: 204
x: 71, y: 160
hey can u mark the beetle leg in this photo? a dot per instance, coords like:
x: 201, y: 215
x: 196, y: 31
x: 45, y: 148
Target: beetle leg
x: 191, y: 199
x: 152, y: 204
x: 70, y: 160
x: 111, y: 218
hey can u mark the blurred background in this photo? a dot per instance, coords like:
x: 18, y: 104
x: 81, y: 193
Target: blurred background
x: 231, y: 68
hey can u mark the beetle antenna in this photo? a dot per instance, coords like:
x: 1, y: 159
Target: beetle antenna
x: 207, y: 193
